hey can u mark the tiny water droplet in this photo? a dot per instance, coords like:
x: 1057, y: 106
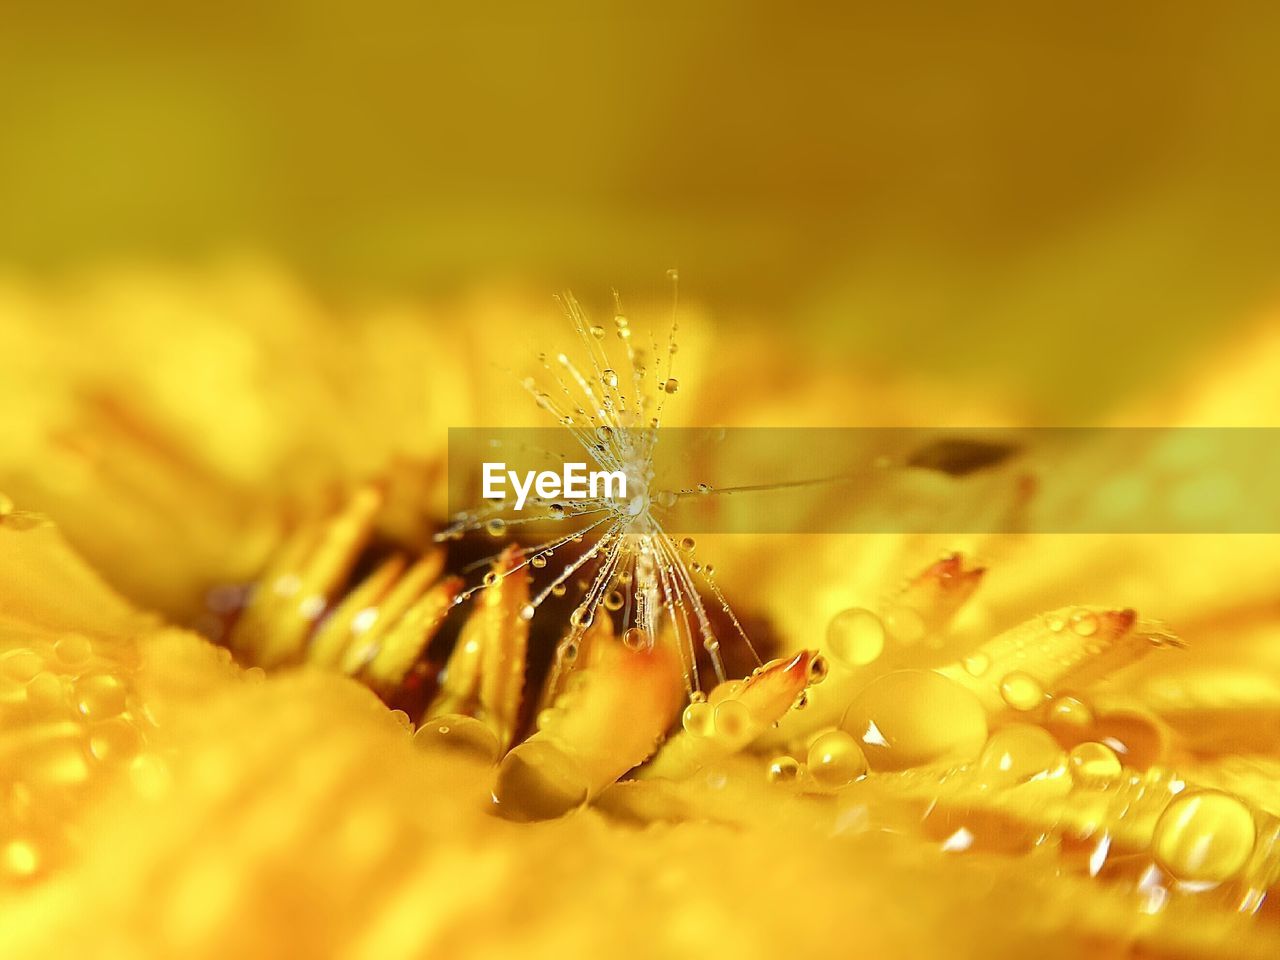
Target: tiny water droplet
x: 855, y: 636
x: 1021, y: 691
x: 783, y: 770
x: 1084, y: 623
x: 635, y: 638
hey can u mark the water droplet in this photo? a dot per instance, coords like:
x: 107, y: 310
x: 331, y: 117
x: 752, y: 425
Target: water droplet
x: 732, y: 720
x: 538, y: 561
x: 73, y: 648
x: 559, y: 590
x: 699, y: 719
x: 1018, y: 752
x: 604, y: 433
x: 687, y: 544
x: 114, y: 739
x: 539, y: 781
x: 597, y: 331
x: 855, y: 636
x: 672, y: 385
x: 459, y: 734
x: 904, y: 624
x: 835, y: 759
x: 582, y: 616
x: 1021, y: 691
x: 496, y: 527
x: 1084, y: 623
x: 818, y: 669
x: 783, y: 770
x: 1093, y: 762
x: 914, y: 717
x: 100, y: 696
x: 665, y: 499
x: 704, y: 488
x: 609, y: 377
x: 977, y: 664
x: 527, y: 611
x: 557, y: 511
x: 490, y: 578
x: 1204, y: 837
x: 613, y: 600
x: 1068, y: 715
x: 635, y: 638
x: 21, y: 857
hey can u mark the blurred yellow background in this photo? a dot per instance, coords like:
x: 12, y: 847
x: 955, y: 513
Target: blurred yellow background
x: 1068, y: 201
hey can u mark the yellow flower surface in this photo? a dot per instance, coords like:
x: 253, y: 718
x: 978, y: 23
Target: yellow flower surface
x: 241, y: 714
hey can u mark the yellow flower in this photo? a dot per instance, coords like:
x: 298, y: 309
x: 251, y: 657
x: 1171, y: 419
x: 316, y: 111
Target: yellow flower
x: 941, y: 760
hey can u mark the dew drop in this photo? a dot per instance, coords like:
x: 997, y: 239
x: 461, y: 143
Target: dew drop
x: 527, y: 612
x: 73, y: 648
x: 704, y: 488
x: 1021, y: 691
x: 977, y: 664
x: 732, y: 720
x: 1068, y: 715
x: 1093, y: 762
x: 613, y: 600
x: 1084, y: 623
x: 458, y: 734
x: 21, y: 857
x: 904, y: 624
x: 1018, y: 752
x: 581, y: 616
x: 855, y: 636
x: 557, y: 511
x: 835, y: 759
x: 699, y: 719
x: 783, y: 770
x: 490, y: 579
x: 635, y: 638
x: 538, y: 561
x: 609, y: 377
x: 597, y: 331
x: 604, y: 433
x: 818, y: 669
x: 496, y: 527
x: 539, y: 781
x: 910, y: 718
x: 672, y: 385
x: 1204, y: 837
